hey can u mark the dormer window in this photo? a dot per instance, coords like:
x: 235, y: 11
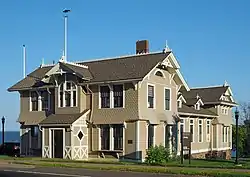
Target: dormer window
x: 179, y: 103
x: 67, y: 94
x: 197, y: 106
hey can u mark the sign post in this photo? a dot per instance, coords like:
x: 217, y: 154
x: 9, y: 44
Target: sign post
x: 187, y: 139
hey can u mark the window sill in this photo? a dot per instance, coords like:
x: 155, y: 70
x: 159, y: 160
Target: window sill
x: 67, y: 107
x: 113, y: 108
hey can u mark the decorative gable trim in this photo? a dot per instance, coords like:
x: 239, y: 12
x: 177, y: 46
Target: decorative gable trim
x: 172, y: 60
x: 181, y: 97
x: 199, y: 101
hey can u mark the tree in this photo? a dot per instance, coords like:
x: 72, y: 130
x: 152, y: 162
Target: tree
x: 242, y: 138
x: 244, y: 130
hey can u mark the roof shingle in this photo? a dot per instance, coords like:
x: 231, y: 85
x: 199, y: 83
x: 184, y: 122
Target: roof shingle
x: 202, y: 111
x: 62, y: 118
x: 207, y: 94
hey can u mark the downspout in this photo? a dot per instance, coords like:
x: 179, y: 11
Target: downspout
x: 91, y: 115
x: 92, y: 103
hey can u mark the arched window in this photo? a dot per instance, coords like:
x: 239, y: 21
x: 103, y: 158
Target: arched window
x: 159, y: 73
x: 67, y: 94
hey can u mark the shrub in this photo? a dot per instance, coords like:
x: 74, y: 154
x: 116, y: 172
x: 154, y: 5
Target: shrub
x: 157, y: 155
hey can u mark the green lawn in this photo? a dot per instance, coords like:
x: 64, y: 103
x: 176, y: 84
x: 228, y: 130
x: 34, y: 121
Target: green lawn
x: 216, y: 172
x: 218, y: 168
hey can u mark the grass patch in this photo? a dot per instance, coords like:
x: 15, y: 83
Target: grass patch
x: 146, y: 169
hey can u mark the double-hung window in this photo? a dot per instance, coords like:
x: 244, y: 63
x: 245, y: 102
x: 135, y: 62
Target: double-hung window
x: 105, y: 137
x: 45, y: 100
x: 200, y: 130
x: 118, y: 96
x: 208, y: 130
x: 151, y: 96
x: 34, y: 101
x: 151, y: 134
x: 105, y: 96
x: 191, y: 129
x: 167, y: 99
x: 118, y: 137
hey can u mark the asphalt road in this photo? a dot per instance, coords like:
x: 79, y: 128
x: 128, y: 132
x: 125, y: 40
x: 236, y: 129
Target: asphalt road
x: 64, y: 172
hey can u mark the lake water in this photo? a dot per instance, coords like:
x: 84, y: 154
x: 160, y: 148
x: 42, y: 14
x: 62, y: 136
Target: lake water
x: 10, y: 136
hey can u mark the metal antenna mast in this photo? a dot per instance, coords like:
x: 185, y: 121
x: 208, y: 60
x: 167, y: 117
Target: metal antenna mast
x: 65, y: 32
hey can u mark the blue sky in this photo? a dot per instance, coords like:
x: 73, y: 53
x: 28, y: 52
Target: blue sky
x: 211, y: 39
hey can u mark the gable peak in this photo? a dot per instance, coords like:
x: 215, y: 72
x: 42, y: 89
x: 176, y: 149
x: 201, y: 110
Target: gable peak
x: 225, y: 84
x: 166, y: 49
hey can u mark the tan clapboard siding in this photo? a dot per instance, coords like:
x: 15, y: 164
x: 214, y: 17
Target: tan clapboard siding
x: 116, y: 115
x: 160, y: 84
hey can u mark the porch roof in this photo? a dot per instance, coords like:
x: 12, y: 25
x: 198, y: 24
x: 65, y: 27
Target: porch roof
x: 62, y: 118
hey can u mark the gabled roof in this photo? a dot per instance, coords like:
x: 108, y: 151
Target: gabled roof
x: 124, y: 68
x: 134, y: 67
x: 31, y: 79
x: 207, y: 94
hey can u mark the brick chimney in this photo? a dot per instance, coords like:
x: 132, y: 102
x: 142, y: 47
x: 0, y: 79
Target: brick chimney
x: 142, y: 46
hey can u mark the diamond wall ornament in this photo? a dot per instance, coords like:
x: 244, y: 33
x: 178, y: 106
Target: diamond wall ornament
x: 80, y: 135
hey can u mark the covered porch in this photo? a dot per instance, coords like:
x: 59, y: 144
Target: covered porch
x: 65, y: 136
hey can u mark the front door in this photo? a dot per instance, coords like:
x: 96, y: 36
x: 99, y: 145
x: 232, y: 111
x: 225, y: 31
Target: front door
x: 57, y: 143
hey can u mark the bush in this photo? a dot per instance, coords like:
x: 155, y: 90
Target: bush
x: 157, y: 155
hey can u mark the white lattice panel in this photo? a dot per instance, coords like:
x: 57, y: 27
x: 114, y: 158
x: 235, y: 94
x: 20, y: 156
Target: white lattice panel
x: 46, y: 153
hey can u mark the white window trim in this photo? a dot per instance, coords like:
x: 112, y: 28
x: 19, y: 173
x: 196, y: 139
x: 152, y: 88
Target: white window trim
x: 224, y: 134
x: 170, y: 99
x: 208, y: 138
x: 64, y: 84
x: 123, y: 95
x: 111, y: 96
x: 158, y: 70
x: 202, y: 132
x: 183, y: 124
x: 154, y: 101
x: 193, y: 128
x: 179, y: 103
x: 197, y: 106
x: 39, y: 101
x: 50, y: 138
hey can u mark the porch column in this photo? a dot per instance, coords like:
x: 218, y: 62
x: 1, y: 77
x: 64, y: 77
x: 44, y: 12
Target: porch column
x: 111, y: 145
x: 99, y: 138
x: 43, y: 155
x: 170, y: 138
x: 123, y: 138
x: 29, y: 140
x: 137, y: 140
